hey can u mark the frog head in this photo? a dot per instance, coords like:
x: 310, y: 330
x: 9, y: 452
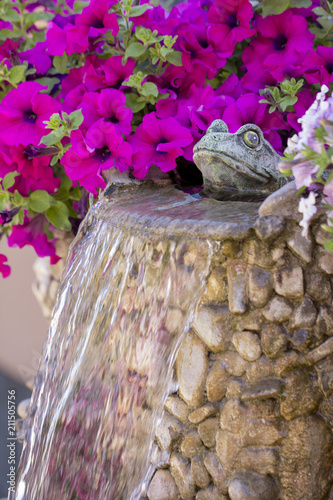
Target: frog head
x: 243, y: 163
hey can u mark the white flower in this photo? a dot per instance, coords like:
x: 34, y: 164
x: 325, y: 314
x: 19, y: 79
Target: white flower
x: 307, y: 206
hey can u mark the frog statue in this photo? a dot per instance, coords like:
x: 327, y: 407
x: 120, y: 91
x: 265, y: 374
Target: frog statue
x: 239, y: 166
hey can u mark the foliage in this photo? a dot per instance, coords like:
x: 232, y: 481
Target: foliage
x: 86, y: 87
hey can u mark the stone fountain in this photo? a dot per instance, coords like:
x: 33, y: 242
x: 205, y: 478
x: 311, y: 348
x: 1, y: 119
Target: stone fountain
x: 241, y: 301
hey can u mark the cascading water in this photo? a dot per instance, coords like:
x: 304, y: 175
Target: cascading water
x: 126, y: 298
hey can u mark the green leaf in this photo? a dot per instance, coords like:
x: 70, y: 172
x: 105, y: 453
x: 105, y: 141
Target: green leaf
x: 76, y: 118
x: 131, y: 102
x: 136, y: 49
x: 52, y: 138
x: 60, y: 63
x: 18, y: 200
x: 32, y: 17
x: 9, y: 180
x: 288, y: 101
x: 300, y: 3
x: 57, y: 215
x: 175, y: 58
x: 16, y: 73
x: 328, y: 245
x: 4, y: 199
x: 138, y: 10
x: 47, y: 82
x: 40, y: 201
x: 272, y: 7
x: 149, y: 88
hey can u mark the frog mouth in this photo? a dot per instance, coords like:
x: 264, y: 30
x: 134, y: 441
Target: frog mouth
x: 239, y: 167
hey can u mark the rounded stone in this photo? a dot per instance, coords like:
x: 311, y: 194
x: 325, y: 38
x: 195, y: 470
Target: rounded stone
x: 325, y: 261
x: 191, y: 367
x: 278, y: 310
x: 318, y: 285
x: 207, y: 431
x: 288, y: 282
x: 191, y: 445
x: 201, y: 477
x: 216, y: 382
x: 260, y: 286
x: 251, y: 486
x: 162, y: 486
x: 247, y: 345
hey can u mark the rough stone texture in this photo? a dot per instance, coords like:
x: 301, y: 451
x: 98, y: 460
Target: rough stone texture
x: 162, y: 486
x: 247, y: 345
x: 191, y: 367
x: 278, y: 310
x: 236, y: 273
x: 216, y: 382
x: 288, y: 282
x: 214, y: 328
x: 251, y: 486
x: 253, y: 415
x: 260, y: 286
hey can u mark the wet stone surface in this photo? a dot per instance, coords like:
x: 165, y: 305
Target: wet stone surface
x: 259, y: 418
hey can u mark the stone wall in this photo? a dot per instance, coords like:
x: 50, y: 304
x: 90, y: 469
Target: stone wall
x: 253, y: 415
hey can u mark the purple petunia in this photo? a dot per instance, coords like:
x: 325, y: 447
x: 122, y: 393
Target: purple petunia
x: 4, y: 268
x: 109, y: 105
x: 158, y: 142
x: 22, y: 113
x: 318, y: 66
x: 101, y: 149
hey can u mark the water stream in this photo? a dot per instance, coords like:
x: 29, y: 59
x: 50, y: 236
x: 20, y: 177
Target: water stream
x: 126, y: 298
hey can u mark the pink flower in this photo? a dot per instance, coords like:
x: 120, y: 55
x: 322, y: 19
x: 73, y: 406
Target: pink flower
x: 158, y: 142
x: 110, y: 106
x: 281, y: 38
x: 96, y: 18
x: 37, y: 57
x: 247, y: 109
x: 31, y: 232
x: 318, y: 66
x: 195, y: 49
x: 101, y: 149
x: 22, y: 112
x: 115, y: 72
x: 4, y: 269
x: 72, y: 39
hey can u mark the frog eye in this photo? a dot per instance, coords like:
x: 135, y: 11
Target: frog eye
x: 251, y: 139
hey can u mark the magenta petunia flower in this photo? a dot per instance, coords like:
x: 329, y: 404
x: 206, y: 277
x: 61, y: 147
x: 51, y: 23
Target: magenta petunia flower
x: 6, y: 162
x: 115, y: 72
x: 9, y: 51
x: 70, y: 39
x: 37, y: 57
x: 247, y: 109
x: 281, y: 38
x: 101, y: 149
x: 158, y: 142
x: 96, y: 18
x: 4, y: 268
x: 193, y: 43
x: 22, y: 112
x: 31, y: 232
x: 318, y: 66
x: 109, y: 105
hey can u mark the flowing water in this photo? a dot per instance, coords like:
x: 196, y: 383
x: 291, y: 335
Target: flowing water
x: 125, y: 300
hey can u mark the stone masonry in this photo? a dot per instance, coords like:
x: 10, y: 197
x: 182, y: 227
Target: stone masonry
x: 253, y: 415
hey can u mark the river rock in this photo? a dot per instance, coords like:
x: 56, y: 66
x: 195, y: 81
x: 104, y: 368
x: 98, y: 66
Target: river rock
x: 181, y: 472
x: 199, y: 472
x: 251, y: 486
x: 191, y: 367
x: 305, y: 315
x: 237, y: 293
x: 206, y: 411
x: 278, y: 310
x: 217, y: 472
x: 284, y: 202
x: 228, y: 447
x: 325, y: 349
x: 263, y: 368
x: 162, y: 486
x: 234, y: 364
x: 318, y: 285
x: 273, y: 340
x: 247, y: 345
x: 268, y: 228
x: 300, y: 245
x: 177, y: 407
x: 260, y: 459
x: 260, y: 286
x: 191, y: 445
x: 207, y: 431
x: 325, y: 375
x: 216, y: 382
x: 216, y: 291
x: 325, y: 261
x: 235, y: 388
x: 258, y: 254
x: 288, y: 282
x: 264, y: 389
x: 168, y: 431
x: 232, y: 416
x: 214, y: 327
x: 324, y: 324
x: 211, y: 493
